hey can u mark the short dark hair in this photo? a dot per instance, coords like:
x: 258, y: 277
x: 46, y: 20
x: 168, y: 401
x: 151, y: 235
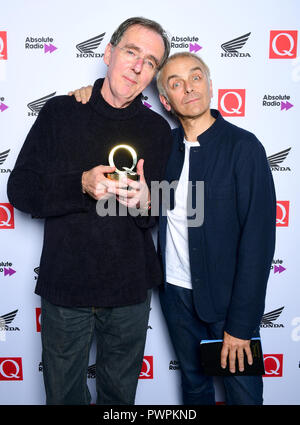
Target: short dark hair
x: 148, y: 23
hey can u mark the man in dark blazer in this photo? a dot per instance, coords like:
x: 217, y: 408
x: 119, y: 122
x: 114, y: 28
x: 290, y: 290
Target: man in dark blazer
x: 215, y: 273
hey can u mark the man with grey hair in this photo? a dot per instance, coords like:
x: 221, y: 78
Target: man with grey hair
x: 96, y: 273
x: 215, y: 275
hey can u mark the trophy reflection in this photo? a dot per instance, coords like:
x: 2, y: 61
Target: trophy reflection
x: 125, y: 172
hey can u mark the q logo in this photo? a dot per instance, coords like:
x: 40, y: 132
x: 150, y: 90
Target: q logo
x: 231, y: 102
x: 282, y: 213
x: 6, y: 216
x: 273, y: 365
x: 283, y: 44
x: 3, y: 45
x: 38, y: 319
x: 11, y: 369
x: 147, y: 368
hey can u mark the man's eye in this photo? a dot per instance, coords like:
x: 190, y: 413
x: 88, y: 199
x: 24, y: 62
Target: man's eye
x: 176, y: 85
x: 149, y: 64
x: 130, y: 53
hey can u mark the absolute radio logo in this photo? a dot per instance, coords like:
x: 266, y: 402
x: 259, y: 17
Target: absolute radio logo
x: 283, y: 44
x: 6, y: 268
x: 11, y: 369
x: 282, y: 213
x: 147, y: 368
x: 273, y: 365
x: 144, y: 100
x: 36, y: 105
x: 174, y: 365
x: 3, y: 45
x: 90, y: 48
x: 278, y: 101
x: 232, y: 48
x: 277, y: 266
x: 186, y: 42
x: 7, y: 220
x: 231, y: 102
x: 40, y: 43
x: 277, y: 159
x: 3, y: 106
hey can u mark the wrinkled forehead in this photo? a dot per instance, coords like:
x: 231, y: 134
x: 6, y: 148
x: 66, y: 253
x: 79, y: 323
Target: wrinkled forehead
x: 182, y: 67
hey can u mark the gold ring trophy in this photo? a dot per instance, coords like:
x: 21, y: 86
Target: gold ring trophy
x: 125, y: 172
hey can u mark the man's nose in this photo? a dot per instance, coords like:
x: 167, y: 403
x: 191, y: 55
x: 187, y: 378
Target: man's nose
x: 188, y: 88
x: 138, y: 65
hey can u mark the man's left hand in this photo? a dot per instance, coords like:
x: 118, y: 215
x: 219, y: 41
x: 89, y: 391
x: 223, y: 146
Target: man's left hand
x: 234, y: 348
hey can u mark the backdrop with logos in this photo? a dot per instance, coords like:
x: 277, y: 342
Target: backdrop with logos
x: 48, y: 48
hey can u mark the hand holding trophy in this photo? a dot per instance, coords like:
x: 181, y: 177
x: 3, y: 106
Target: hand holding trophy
x: 135, y: 192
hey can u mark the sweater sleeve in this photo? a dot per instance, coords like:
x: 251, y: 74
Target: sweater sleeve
x: 34, y: 186
x: 256, y: 208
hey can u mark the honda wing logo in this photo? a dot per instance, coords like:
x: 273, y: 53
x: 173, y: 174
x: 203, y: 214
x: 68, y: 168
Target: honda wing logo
x: 37, y: 105
x: 276, y: 159
x: 9, y: 317
x: 269, y: 318
x: 86, y: 48
x: 232, y: 47
x: 3, y: 156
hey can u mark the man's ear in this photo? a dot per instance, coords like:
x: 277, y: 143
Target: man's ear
x: 165, y: 102
x: 211, y: 89
x: 107, y: 53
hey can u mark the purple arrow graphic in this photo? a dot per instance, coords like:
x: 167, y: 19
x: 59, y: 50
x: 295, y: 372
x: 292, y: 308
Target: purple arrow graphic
x: 9, y: 271
x: 49, y: 48
x: 286, y: 105
x: 3, y: 107
x: 279, y: 269
x: 147, y: 105
x: 194, y: 47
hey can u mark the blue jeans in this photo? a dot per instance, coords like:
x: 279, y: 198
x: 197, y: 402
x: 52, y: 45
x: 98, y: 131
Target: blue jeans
x: 67, y: 335
x: 186, y: 331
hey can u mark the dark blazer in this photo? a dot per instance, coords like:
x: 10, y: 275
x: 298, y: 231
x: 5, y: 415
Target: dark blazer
x: 231, y: 252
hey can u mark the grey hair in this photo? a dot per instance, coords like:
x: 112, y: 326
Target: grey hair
x: 148, y: 23
x: 204, y: 68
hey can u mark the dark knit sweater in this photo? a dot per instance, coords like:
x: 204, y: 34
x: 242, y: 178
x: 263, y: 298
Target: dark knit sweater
x: 88, y: 260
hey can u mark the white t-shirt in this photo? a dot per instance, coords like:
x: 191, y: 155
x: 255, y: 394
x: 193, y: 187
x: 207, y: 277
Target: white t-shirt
x: 177, y: 246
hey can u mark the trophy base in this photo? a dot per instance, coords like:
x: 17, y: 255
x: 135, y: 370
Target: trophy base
x: 120, y: 176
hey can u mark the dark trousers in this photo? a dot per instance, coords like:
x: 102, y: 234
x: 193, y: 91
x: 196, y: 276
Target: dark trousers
x: 186, y: 331
x: 67, y: 335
